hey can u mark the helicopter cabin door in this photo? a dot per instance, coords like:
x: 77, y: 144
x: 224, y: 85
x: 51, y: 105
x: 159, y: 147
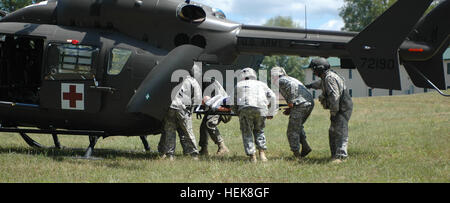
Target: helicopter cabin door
x: 69, y: 78
x: 20, y: 69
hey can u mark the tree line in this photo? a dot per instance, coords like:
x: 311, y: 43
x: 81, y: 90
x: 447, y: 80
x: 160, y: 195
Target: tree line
x: 12, y: 5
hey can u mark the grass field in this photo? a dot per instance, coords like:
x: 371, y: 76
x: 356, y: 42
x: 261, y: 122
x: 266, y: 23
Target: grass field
x: 391, y: 139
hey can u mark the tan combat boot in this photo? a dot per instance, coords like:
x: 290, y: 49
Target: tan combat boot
x: 222, y: 149
x: 169, y: 157
x: 253, y: 158
x: 262, y: 156
x: 195, y: 157
x: 337, y: 160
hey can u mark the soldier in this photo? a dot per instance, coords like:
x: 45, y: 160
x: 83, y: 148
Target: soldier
x: 252, y: 100
x: 179, y: 119
x: 301, y: 104
x: 208, y: 127
x: 336, y: 98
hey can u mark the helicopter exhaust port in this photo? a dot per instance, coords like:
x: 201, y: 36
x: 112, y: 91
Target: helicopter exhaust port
x: 192, y: 13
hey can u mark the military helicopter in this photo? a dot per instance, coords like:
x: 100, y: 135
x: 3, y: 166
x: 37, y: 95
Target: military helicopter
x: 103, y: 67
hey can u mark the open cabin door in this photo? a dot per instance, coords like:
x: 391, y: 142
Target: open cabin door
x: 69, y: 78
x: 20, y: 69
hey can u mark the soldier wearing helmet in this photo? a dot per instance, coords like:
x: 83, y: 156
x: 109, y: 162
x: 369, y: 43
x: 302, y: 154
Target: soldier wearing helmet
x: 254, y: 102
x: 337, y: 99
x: 301, y: 104
x: 179, y: 118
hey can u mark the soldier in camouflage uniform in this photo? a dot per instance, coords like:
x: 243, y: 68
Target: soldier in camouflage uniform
x: 336, y: 98
x: 208, y: 127
x: 179, y: 119
x: 301, y: 104
x: 252, y: 101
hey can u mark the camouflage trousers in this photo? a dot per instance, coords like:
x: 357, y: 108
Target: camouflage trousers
x: 252, y: 127
x: 295, y: 131
x: 208, y: 128
x: 177, y: 121
x: 338, y: 134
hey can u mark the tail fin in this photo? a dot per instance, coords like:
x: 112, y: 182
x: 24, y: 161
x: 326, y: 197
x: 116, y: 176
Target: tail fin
x: 433, y: 30
x: 375, y: 50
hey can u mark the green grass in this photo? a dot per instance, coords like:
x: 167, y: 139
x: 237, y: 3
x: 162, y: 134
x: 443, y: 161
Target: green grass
x: 391, y: 139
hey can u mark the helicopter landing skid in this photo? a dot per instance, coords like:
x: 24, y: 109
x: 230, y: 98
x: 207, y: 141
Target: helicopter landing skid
x: 93, y: 137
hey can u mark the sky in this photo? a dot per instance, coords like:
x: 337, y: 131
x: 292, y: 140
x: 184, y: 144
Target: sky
x: 321, y: 14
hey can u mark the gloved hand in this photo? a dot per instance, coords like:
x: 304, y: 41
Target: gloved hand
x: 309, y: 86
x: 324, y: 102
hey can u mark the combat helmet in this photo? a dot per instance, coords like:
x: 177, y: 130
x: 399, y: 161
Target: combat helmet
x: 248, y: 74
x: 319, y: 65
x: 278, y: 71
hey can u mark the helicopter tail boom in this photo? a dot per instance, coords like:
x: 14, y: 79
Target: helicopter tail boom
x: 401, y: 35
x: 253, y: 39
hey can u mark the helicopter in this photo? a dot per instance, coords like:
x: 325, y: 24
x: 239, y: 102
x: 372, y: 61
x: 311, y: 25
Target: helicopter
x: 103, y: 68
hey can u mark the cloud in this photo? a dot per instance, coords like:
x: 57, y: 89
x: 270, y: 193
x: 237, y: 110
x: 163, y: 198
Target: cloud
x: 334, y: 24
x: 224, y: 5
x: 258, y: 12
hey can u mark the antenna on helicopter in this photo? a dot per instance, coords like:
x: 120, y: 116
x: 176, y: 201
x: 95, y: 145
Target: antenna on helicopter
x: 306, y: 23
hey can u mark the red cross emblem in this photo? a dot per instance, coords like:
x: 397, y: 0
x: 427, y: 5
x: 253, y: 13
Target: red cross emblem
x: 72, y: 96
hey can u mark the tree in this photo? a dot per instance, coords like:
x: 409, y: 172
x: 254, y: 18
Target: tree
x: 357, y: 14
x: 280, y: 21
x: 13, y: 5
x: 292, y: 64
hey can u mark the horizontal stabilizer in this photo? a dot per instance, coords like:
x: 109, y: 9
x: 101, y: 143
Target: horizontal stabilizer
x: 433, y: 30
x: 432, y: 69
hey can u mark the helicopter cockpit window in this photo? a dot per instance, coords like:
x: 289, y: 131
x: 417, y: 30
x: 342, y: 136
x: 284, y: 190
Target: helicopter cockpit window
x: 73, y: 61
x: 117, y: 61
x: 192, y: 13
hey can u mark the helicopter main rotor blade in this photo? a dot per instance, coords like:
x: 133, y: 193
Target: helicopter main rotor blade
x: 153, y: 97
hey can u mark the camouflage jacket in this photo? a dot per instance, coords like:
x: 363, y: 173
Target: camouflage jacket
x: 188, y: 94
x: 253, y: 93
x: 334, y: 92
x: 294, y: 92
